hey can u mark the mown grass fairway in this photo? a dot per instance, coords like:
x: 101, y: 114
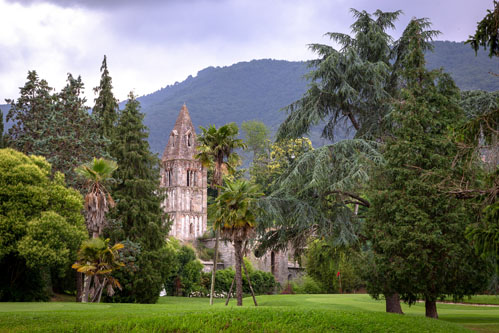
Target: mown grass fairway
x: 282, y: 313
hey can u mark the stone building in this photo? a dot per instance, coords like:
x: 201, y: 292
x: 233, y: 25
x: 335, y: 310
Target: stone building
x: 184, y: 178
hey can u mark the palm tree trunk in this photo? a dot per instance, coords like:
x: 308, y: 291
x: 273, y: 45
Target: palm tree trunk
x: 103, y: 284
x: 249, y: 282
x: 214, y: 270
x: 239, y: 277
x: 86, y: 288
x: 79, y: 286
x: 230, y: 291
x: 215, y: 257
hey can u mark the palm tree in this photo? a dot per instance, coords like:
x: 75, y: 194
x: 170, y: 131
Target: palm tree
x: 216, y: 149
x: 233, y: 213
x: 97, y: 200
x: 98, y: 260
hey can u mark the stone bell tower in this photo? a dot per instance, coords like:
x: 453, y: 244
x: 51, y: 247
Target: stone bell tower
x: 184, y: 178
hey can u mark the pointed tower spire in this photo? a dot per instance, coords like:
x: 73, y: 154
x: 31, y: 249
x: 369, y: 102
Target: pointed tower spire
x: 182, y: 141
x: 184, y: 179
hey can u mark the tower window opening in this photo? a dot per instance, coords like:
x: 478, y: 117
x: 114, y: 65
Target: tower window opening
x: 191, y: 178
x: 191, y: 229
x: 169, y: 177
x: 189, y: 139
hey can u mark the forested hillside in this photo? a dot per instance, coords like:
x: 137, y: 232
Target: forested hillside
x: 260, y: 88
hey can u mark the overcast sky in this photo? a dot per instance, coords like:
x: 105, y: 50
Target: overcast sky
x: 151, y: 44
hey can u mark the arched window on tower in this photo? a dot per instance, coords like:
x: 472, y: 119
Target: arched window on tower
x: 169, y: 177
x: 191, y: 178
x: 188, y: 139
x: 191, y: 229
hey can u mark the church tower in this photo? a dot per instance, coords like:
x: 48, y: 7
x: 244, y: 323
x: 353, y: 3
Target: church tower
x: 184, y: 179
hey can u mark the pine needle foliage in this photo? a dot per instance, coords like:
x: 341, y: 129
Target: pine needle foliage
x: 354, y: 84
x: 138, y: 207
x: 56, y: 126
x: 313, y: 200
x: 106, y: 106
x: 417, y: 230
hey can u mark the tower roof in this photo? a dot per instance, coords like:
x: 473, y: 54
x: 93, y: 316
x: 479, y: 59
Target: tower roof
x: 182, y: 141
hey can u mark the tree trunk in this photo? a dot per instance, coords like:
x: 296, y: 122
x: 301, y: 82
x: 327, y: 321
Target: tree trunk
x: 393, y: 303
x: 103, y: 284
x: 239, y: 277
x: 79, y: 286
x: 86, y: 288
x: 215, y: 255
x: 249, y: 283
x: 431, y: 309
x: 230, y: 291
x: 214, y: 270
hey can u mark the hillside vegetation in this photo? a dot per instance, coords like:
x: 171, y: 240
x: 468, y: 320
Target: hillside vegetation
x: 258, y: 89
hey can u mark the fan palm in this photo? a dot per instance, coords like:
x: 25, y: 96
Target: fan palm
x: 234, y: 215
x: 98, y: 260
x: 216, y: 149
x: 97, y: 200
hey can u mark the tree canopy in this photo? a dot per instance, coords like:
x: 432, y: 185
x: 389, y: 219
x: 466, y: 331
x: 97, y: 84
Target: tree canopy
x: 41, y: 226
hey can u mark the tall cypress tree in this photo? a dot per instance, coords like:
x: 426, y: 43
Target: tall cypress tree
x: 416, y: 229
x: 106, y: 106
x: 139, y: 218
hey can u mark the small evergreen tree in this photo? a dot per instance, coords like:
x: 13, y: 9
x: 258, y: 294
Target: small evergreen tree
x: 138, y: 207
x: 106, y: 106
x: 417, y: 230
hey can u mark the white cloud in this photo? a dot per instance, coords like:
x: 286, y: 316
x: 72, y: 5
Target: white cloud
x: 157, y: 43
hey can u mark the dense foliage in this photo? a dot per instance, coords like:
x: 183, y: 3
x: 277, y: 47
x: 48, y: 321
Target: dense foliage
x: 184, y: 277
x: 56, y: 126
x: 41, y: 226
x: 487, y: 32
x: 138, y: 209
x: 105, y: 109
x: 416, y: 230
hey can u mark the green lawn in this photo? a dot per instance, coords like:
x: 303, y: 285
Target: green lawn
x: 480, y: 299
x: 281, y: 313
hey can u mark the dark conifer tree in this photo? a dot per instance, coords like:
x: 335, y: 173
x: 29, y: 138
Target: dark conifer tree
x: 106, y: 106
x: 139, y: 218
x: 416, y: 229
x: 2, y: 137
x: 56, y: 126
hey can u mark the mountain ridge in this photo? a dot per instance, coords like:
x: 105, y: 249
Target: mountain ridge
x: 259, y: 89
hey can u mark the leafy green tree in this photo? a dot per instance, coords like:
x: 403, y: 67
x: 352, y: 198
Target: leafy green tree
x: 270, y: 165
x: 487, y: 32
x: 98, y: 200
x: 41, y: 226
x: 353, y: 85
x: 97, y: 260
x: 234, y: 214
x: 185, y: 277
x: 216, y: 149
x: 416, y: 230
x: 106, y: 106
x: 138, y: 206
x: 350, y: 85
x: 54, y: 125
x: 325, y: 263
x: 256, y: 136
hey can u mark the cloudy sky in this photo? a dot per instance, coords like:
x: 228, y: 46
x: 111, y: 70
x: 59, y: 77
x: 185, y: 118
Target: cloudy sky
x: 153, y: 43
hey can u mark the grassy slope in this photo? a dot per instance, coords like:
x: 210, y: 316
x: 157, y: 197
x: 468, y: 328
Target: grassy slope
x: 283, y: 313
